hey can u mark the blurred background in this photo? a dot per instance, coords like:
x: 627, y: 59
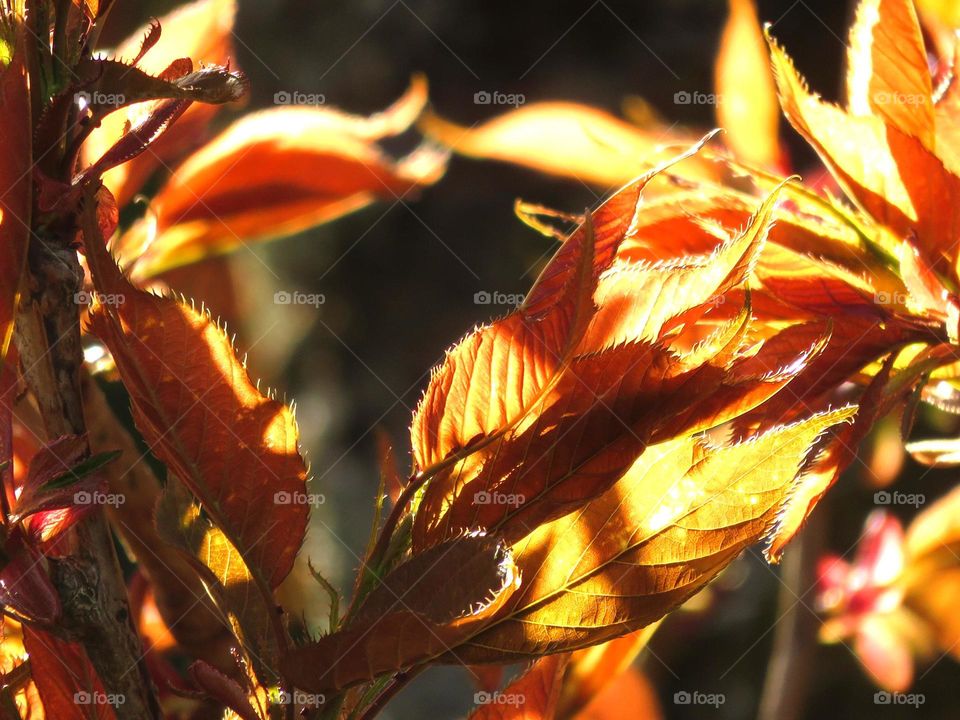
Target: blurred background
x: 399, y: 281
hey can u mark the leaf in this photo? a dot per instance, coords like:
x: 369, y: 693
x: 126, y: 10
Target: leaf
x: 223, y: 689
x: 883, y: 394
x: 605, y: 410
x: 747, y: 106
x: 631, y: 689
x: 532, y: 696
x: 898, y: 181
x: 25, y: 586
x: 15, y: 178
x: 565, y: 139
x: 887, y: 73
x: 234, y: 448
x: 65, y: 678
x: 58, y: 472
x: 637, y: 302
x: 593, y: 670
x: 498, y: 373
x: 680, y: 515
x: 200, y: 30
x: 404, y: 621
x: 275, y: 173
x: 181, y: 523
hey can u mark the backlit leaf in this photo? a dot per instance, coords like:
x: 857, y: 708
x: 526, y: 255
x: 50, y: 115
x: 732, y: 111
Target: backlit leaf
x: 275, y: 173
x: 194, y: 404
x: 680, y: 515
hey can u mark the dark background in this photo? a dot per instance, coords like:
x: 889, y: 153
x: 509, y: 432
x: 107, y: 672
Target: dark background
x: 399, y: 279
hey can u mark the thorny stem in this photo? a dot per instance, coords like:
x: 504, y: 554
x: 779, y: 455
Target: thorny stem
x: 89, y: 581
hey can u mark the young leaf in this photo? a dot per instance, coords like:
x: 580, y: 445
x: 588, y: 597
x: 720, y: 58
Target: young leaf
x: 747, y: 105
x: 532, y: 696
x: 200, y: 30
x: 67, y: 683
x: 565, y: 139
x: 197, y: 409
x: 898, y: 181
x: 274, y: 173
x: 887, y: 71
x: 680, y: 515
x: 180, y: 523
x: 405, y: 620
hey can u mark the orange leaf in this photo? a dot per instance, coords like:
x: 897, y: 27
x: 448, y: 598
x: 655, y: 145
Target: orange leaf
x: 68, y: 685
x: 594, y: 669
x: 887, y: 72
x: 630, y: 689
x: 532, y: 696
x: 404, y: 621
x: 679, y: 515
x: 897, y: 180
x: 747, y: 106
x: 198, y: 411
x: 565, y: 139
x: 201, y: 30
x: 274, y: 173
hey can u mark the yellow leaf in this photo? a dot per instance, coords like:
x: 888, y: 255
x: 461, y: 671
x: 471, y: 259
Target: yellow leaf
x: 747, y: 105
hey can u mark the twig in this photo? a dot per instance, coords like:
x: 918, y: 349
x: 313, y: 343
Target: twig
x: 89, y: 581
x: 794, y: 640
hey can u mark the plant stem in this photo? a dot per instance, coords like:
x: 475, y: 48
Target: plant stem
x: 795, y: 637
x: 89, y: 580
x: 400, y: 681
